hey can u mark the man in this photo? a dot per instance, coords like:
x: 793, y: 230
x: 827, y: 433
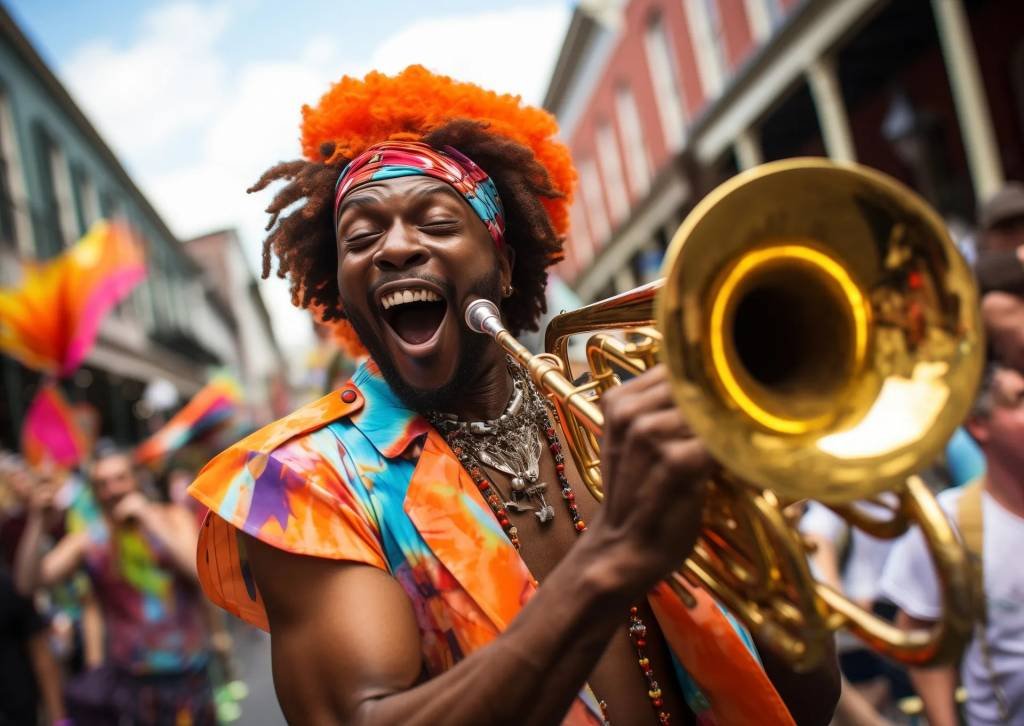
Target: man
x: 139, y: 557
x: 397, y: 537
x: 992, y: 669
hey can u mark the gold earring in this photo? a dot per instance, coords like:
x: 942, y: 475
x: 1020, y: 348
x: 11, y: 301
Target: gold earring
x: 508, y: 291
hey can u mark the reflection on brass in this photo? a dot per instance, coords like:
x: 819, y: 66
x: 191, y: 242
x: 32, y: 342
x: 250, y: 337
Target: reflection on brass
x: 822, y: 336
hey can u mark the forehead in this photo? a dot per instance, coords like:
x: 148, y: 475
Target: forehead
x: 1008, y: 382
x: 111, y: 465
x: 404, y: 188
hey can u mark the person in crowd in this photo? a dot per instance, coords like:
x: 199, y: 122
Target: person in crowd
x: 407, y: 558
x: 1000, y: 272
x: 30, y: 676
x: 140, y: 559
x: 851, y: 562
x: 989, y: 515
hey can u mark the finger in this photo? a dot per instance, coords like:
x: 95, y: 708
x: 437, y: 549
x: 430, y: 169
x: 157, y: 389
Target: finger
x: 664, y: 424
x: 624, y: 404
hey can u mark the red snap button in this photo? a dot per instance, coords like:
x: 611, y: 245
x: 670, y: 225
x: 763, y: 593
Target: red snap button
x: 348, y: 395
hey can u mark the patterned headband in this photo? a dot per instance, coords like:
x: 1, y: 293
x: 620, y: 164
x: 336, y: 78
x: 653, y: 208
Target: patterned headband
x: 392, y: 159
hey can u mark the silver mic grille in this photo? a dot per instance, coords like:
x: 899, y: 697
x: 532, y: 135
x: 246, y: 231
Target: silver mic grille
x: 482, y: 316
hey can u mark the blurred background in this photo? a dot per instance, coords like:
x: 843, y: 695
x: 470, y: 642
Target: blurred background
x: 159, y: 114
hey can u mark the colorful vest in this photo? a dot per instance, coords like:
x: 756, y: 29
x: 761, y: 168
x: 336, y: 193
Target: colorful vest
x: 329, y: 481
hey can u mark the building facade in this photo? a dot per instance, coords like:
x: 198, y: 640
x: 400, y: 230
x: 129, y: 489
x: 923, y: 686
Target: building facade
x: 261, y: 366
x: 57, y: 177
x: 661, y: 100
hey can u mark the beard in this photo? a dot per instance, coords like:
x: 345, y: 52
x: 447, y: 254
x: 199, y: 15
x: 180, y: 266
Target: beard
x: 472, y: 351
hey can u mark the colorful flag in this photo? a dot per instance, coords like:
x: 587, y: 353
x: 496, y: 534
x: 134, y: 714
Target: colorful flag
x: 215, y: 405
x: 50, y: 321
x: 50, y: 431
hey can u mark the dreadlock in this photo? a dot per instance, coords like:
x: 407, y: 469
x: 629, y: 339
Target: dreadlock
x: 302, y: 235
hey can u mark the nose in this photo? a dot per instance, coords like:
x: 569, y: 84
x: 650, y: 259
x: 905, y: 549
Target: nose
x: 400, y: 250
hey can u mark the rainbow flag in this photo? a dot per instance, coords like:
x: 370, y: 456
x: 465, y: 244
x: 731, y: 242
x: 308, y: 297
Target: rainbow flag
x: 50, y: 431
x: 50, y: 321
x: 216, y: 404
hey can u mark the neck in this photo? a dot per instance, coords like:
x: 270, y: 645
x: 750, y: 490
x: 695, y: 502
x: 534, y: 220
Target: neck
x: 487, y: 395
x: 1006, y: 485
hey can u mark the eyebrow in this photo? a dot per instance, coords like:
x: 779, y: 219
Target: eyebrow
x: 367, y: 201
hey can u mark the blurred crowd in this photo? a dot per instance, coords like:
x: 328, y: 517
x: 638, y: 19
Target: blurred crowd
x: 101, y: 617
x: 102, y: 620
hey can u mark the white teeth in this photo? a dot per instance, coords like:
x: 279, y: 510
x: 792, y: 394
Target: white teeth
x: 407, y: 296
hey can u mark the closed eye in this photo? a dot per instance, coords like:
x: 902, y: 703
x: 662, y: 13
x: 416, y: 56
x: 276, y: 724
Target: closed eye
x: 440, y: 226
x: 360, y: 239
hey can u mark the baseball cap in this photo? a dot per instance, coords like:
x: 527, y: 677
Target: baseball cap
x: 1005, y: 204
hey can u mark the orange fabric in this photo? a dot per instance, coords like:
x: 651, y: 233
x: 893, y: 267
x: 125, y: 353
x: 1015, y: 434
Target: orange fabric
x: 717, y: 660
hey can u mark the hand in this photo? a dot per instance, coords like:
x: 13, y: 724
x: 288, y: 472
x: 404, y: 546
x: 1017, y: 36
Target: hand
x: 654, y: 473
x: 132, y: 507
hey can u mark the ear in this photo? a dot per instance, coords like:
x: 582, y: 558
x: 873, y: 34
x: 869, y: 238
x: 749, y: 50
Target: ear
x: 977, y: 427
x: 507, y: 261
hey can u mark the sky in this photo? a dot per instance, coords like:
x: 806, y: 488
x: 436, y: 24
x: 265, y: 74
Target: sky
x: 198, y: 98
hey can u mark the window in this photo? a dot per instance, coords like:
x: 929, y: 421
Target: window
x: 706, y: 32
x: 665, y: 79
x: 590, y: 182
x: 63, y: 194
x: 582, y: 246
x: 15, y: 219
x: 87, y: 200
x: 638, y: 165
x: 611, y: 171
x: 58, y: 219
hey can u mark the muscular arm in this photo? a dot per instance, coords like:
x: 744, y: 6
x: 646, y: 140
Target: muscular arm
x: 935, y: 685
x: 346, y: 647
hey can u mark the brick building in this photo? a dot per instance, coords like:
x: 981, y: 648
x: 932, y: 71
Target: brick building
x: 660, y: 100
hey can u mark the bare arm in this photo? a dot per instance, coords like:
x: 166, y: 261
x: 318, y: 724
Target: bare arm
x: 359, y: 660
x: 32, y: 569
x: 935, y: 685
x: 810, y: 697
x: 47, y: 674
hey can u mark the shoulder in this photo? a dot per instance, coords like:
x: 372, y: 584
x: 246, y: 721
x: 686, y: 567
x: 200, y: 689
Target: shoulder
x: 274, y: 458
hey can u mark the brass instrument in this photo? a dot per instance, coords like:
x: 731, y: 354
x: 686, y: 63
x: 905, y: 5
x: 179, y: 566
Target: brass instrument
x: 822, y: 337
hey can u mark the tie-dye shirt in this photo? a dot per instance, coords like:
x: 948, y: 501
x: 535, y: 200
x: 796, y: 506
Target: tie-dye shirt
x: 331, y: 481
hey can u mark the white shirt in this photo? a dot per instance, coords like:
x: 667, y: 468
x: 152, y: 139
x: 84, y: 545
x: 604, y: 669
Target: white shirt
x: 909, y: 580
x: 866, y: 556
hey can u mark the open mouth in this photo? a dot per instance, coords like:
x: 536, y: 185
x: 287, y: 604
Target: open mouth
x: 413, y: 312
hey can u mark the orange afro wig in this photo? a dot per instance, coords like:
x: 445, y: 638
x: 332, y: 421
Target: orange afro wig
x: 355, y: 114
x: 512, y: 142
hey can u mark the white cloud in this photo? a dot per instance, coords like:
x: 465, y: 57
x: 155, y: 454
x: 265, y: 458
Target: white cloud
x: 197, y: 133
x: 169, y: 81
x: 511, y: 51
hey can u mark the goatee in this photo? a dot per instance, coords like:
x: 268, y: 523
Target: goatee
x: 472, y: 355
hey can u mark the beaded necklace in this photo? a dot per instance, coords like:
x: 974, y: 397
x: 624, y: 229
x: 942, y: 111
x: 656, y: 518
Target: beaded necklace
x: 636, y: 630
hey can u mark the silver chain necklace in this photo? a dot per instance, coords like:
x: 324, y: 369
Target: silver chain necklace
x: 510, y: 443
